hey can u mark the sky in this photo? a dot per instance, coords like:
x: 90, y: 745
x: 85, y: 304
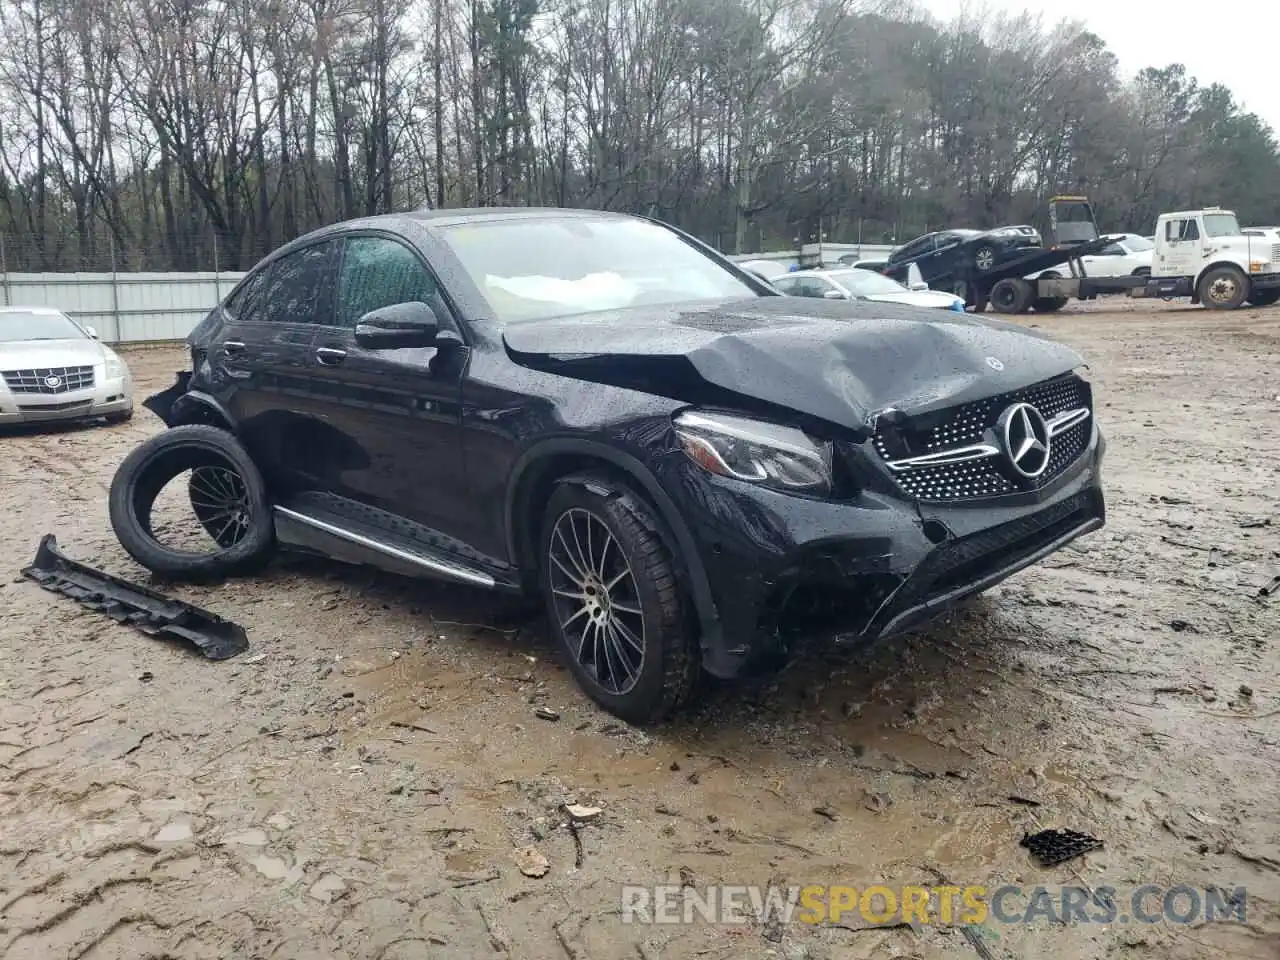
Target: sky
x: 1139, y: 37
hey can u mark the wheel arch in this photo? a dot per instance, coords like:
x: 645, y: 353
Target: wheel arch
x: 543, y: 465
x: 1222, y: 263
x: 195, y: 408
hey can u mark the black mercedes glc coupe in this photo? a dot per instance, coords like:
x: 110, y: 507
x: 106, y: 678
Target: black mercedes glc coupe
x: 601, y: 411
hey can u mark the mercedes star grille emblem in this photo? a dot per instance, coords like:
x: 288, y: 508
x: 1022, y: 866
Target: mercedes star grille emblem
x: 53, y: 383
x: 994, y: 363
x: 1026, y: 439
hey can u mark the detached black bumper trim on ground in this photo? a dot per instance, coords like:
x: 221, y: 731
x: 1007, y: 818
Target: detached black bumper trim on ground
x: 130, y: 603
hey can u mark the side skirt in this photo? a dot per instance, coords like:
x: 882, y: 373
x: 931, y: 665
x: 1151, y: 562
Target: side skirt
x: 353, y: 533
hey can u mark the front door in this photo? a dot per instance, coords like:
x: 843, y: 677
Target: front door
x: 262, y: 355
x: 1181, y: 253
x: 395, y: 441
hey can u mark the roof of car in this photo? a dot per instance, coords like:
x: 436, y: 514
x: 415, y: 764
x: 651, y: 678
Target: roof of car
x: 44, y: 311
x: 449, y: 216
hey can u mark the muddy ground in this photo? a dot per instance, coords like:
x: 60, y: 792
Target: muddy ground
x: 356, y: 784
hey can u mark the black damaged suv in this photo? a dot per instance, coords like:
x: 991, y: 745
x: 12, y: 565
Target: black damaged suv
x: 601, y: 410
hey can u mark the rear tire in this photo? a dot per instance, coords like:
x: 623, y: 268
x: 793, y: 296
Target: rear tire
x: 150, y: 467
x: 1224, y: 288
x: 1049, y: 304
x: 1012, y: 295
x: 614, y: 601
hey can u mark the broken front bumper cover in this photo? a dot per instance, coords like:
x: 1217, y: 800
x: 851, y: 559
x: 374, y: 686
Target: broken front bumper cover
x: 130, y: 603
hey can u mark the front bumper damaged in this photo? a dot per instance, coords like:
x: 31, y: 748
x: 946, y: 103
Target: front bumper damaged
x: 783, y: 569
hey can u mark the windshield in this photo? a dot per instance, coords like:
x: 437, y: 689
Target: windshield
x: 19, y: 325
x: 1138, y: 244
x: 532, y: 269
x: 1221, y: 225
x: 865, y: 283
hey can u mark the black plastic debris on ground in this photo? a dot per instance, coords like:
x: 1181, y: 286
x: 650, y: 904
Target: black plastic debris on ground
x: 1052, y: 847
x: 125, y: 602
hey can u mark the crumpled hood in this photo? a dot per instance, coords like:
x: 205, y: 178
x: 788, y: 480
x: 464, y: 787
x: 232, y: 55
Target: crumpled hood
x: 37, y: 354
x: 844, y: 362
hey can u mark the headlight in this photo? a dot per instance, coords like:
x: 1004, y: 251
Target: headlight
x: 769, y: 454
x: 114, y: 366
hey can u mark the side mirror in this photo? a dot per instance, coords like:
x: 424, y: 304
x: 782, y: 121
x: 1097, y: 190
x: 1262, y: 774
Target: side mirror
x: 918, y: 285
x: 833, y: 295
x: 91, y: 331
x: 398, y: 326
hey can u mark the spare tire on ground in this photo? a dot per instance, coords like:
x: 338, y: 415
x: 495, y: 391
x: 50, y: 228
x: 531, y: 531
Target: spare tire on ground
x: 227, y: 496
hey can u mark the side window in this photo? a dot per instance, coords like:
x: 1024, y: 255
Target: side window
x: 245, y: 304
x: 377, y: 272
x: 812, y: 287
x: 1190, y: 230
x: 297, y: 289
x: 1114, y: 250
x: 916, y: 247
x: 1177, y: 230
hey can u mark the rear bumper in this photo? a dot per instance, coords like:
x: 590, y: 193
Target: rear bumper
x: 105, y: 399
x: 784, y: 568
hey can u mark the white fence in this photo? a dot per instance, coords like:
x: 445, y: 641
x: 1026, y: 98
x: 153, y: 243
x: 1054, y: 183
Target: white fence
x: 157, y: 307
x: 123, y: 307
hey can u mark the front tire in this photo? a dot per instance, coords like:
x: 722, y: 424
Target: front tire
x: 984, y: 258
x: 227, y: 494
x: 614, y: 602
x: 1224, y: 288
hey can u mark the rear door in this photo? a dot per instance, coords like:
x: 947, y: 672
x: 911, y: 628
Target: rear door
x: 261, y: 357
x: 1108, y: 262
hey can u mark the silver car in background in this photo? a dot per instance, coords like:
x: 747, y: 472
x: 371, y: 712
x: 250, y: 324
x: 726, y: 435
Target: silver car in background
x: 52, y: 368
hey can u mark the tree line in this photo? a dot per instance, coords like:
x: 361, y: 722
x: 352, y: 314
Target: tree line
x: 194, y: 134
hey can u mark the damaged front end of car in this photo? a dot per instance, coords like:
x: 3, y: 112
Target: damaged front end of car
x: 849, y: 477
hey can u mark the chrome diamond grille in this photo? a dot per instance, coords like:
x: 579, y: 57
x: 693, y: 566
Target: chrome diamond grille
x: 969, y: 424
x: 49, y: 380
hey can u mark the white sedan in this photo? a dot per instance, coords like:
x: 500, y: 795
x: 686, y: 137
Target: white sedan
x: 52, y: 368
x: 1129, y: 256
x: 856, y: 284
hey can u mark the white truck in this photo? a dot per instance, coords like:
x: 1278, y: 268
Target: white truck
x: 1204, y: 255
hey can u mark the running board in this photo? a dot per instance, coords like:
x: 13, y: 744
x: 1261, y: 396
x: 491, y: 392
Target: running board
x: 388, y: 552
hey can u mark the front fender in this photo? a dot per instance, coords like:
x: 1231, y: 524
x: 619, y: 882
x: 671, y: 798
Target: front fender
x: 676, y: 530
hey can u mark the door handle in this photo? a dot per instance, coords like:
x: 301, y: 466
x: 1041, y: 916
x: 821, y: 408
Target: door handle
x: 330, y: 356
x: 232, y: 347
